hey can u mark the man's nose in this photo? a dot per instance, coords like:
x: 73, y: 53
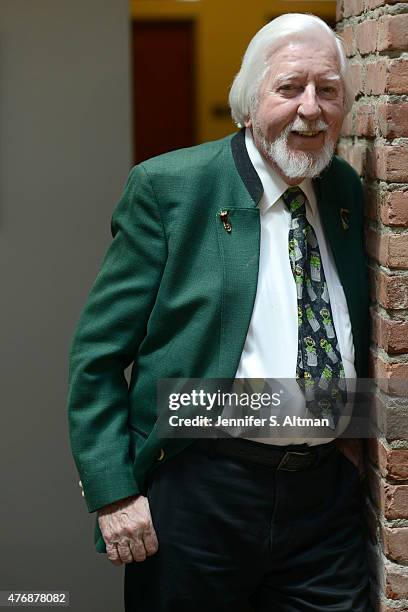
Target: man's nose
x: 309, y: 105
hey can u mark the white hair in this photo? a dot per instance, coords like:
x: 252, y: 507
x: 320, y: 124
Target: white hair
x: 256, y: 62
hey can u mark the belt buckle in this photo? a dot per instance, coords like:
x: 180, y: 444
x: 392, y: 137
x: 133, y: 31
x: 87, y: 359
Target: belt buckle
x: 292, y: 457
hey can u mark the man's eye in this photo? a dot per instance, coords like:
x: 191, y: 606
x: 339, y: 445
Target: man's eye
x: 329, y: 90
x: 288, y: 88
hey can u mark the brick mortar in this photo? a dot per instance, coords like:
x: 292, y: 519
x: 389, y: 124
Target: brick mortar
x: 392, y: 401
x: 390, y: 187
x: 390, y: 272
x: 369, y: 15
x: 394, y: 524
x: 375, y: 142
x: 390, y: 314
x: 383, y: 187
x: 377, y: 100
x: 383, y: 229
x: 390, y: 445
x: 398, y: 444
x: 374, y: 56
x: 403, y: 55
x: 394, y: 604
x: 391, y: 359
x: 373, y: 262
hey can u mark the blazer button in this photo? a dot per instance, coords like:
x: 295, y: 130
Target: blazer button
x: 161, y: 456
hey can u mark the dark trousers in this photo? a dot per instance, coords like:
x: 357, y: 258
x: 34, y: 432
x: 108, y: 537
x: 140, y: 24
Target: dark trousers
x: 239, y: 537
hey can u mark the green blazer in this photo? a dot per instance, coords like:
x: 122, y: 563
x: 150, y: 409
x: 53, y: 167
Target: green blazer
x: 175, y: 295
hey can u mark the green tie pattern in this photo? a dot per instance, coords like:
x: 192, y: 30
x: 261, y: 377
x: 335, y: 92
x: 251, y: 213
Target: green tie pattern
x: 319, y: 369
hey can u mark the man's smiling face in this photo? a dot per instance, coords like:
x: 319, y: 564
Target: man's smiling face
x: 300, y: 109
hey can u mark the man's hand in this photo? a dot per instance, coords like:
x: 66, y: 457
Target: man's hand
x: 127, y: 529
x: 352, y: 448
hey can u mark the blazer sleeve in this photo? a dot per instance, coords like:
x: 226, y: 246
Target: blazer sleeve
x: 106, y: 340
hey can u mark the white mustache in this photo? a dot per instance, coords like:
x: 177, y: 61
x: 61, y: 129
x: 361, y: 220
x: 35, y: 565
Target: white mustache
x: 303, y: 126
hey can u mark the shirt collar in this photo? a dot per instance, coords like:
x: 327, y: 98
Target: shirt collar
x: 273, y: 184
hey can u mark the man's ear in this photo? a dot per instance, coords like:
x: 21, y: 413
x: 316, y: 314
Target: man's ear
x: 248, y: 122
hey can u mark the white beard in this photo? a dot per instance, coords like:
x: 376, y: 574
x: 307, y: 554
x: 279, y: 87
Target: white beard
x: 296, y: 164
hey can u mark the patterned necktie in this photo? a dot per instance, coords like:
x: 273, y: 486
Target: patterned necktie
x: 319, y: 369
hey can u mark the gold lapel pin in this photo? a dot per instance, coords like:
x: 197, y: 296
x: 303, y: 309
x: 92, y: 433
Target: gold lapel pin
x: 345, y: 218
x: 225, y: 220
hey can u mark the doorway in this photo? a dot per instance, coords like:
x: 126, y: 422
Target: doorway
x: 163, y: 86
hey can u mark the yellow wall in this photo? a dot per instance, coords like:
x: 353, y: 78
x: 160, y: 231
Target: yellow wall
x: 223, y: 31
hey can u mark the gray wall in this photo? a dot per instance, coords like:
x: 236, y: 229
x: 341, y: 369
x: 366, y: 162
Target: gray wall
x: 64, y: 156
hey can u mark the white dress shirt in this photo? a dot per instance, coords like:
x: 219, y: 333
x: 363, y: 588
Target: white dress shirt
x: 271, y: 345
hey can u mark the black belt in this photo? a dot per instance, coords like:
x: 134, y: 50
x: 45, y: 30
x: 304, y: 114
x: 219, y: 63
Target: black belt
x: 292, y: 458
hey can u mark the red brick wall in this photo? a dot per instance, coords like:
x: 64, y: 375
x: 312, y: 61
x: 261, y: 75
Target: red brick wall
x: 375, y: 141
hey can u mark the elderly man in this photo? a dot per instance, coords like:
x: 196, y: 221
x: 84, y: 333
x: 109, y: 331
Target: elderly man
x: 201, y: 280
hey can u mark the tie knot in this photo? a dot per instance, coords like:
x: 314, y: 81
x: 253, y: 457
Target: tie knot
x: 295, y: 201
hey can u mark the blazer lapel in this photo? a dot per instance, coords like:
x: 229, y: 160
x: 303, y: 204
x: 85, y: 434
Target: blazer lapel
x: 342, y: 234
x: 331, y: 221
x: 238, y: 232
x: 245, y: 169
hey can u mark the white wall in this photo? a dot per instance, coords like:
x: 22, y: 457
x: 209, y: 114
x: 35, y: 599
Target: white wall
x: 65, y: 153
